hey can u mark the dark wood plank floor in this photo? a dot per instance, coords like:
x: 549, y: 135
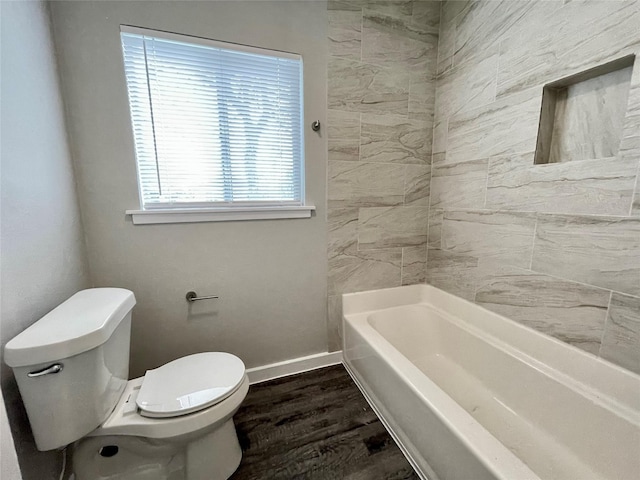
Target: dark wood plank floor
x: 315, y: 425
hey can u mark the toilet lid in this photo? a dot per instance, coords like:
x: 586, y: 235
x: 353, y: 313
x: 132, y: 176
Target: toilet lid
x: 189, y: 384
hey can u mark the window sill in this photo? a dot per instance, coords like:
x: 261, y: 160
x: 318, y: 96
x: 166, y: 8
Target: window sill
x: 147, y: 217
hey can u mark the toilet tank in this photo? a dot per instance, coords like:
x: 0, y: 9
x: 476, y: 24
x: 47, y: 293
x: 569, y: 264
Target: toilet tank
x: 72, y: 365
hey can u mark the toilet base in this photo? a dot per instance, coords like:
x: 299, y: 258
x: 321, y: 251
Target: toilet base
x: 213, y: 456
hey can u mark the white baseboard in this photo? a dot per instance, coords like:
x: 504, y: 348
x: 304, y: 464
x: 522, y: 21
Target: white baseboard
x: 293, y: 366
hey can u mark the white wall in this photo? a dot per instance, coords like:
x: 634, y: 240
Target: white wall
x: 9, y: 469
x: 42, y: 246
x: 270, y: 275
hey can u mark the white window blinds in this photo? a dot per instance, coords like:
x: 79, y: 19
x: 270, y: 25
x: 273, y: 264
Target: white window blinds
x: 214, y: 124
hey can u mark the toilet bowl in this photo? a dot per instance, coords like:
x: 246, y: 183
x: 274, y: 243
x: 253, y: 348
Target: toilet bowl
x: 174, y: 423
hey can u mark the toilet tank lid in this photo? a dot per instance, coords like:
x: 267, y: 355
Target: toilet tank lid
x: 83, y: 322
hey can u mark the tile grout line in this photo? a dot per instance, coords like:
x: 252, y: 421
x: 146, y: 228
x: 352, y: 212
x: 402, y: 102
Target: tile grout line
x: 360, y: 138
x: 422, y: 164
x: 404, y: 189
x: 433, y: 138
x: 401, y: 264
x: 495, y: 90
x: 537, y: 213
x: 577, y: 282
x: 636, y: 190
x: 486, y: 184
x: 533, y: 243
x: 440, y: 36
x: 475, y: 279
x: 606, y: 323
x: 361, y: 31
x: 426, y: 260
x: 441, y: 230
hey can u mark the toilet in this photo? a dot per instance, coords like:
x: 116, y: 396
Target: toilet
x: 174, y: 423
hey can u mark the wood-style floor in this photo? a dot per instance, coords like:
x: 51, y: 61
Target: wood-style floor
x: 315, y: 425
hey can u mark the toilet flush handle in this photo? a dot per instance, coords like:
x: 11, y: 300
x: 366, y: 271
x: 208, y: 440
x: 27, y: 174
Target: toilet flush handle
x: 55, y: 368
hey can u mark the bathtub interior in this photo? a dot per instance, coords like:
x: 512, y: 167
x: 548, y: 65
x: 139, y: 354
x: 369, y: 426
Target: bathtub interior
x: 559, y: 426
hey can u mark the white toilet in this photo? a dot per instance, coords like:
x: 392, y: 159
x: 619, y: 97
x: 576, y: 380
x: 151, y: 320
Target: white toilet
x: 175, y: 423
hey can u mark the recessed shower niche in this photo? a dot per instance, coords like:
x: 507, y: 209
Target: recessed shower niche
x: 582, y: 116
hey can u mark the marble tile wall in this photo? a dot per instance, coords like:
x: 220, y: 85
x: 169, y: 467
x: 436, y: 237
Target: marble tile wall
x: 554, y: 246
x: 381, y: 98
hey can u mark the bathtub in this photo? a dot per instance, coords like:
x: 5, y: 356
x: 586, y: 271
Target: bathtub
x: 471, y: 395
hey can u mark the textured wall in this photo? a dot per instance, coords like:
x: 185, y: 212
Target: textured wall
x: 270, y: 275
x: 555, y: 246
x: 382, y: 65
x: 43, y: 254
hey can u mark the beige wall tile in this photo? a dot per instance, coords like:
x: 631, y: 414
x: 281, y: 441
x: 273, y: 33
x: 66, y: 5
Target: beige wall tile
x: 342, y: 235
x: 440, y: 131
x: 635, y: 207
x: 467, y: 86
x: 345, y: 33
x: 365, y: 184
x: 603, y: 186
x: 452, y: 8
x: 530, y: 57
x: 493, y: 236
x: 400, y: 9
x: 414, y: 261
x: 395, y: 41
x: 482, y: 25
x: 621, y: 340
x: 446, y: 45
x: 422, y: 97
x: 345, y: 5
x: 600, y: 251
x: 452, y: 272
x: 571, y: 312
x: 459, y: 185
x: 426, y: 15
x: 362, y: 271
x: 394, y: 139
x: 363, y: 87
x: 384, y: 227
x: 444, y: 64
x: 434, y: 235
x: 417, y: 181
x: 343, y: 132
x: 506, y: 126
x: 464, y: 87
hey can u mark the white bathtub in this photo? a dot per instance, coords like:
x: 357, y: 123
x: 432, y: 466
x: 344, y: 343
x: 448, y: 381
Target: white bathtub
x: 471, y: 395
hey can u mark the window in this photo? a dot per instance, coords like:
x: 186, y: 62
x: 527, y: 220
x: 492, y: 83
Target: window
x: 217, y: 126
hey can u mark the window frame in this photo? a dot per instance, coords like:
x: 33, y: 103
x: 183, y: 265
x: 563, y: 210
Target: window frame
x: 187, y: 212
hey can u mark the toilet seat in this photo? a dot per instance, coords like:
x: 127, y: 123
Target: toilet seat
x: 189, y: 384
x: 126, y: 419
